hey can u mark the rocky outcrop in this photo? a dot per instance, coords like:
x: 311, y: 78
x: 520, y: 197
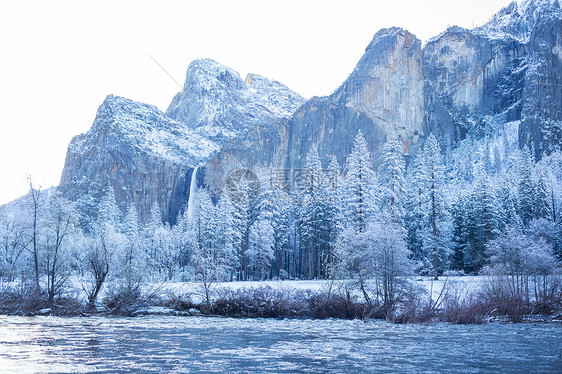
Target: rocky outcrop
x: 387, y: 84
x: 463, y: 83
x: 145, y: 156
x: 469, y: 76
x: 508, y: 69
x: 541, y: 117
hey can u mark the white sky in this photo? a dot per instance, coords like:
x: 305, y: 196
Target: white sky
x: 59, y: 59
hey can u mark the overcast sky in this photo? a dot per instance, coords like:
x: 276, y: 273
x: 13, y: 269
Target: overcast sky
x: 59, y: 59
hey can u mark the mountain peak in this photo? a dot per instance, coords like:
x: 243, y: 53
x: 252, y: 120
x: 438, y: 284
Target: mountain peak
x: 387, y: 83
x: 518, y: 20
x: 207, y: 74
x: 217, y: 103
x: 382, y: 33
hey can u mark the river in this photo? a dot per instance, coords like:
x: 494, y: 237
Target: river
x: 225, y: 345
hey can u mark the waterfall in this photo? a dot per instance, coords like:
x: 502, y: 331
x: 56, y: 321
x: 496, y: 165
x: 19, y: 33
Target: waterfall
x: 192, y: 188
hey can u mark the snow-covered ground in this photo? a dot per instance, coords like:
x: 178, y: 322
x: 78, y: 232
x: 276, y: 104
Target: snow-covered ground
x: 462, y: 285
x: 459, y: 285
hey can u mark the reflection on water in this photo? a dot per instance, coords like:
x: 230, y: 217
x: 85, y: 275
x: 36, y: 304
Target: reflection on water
x: 193, y: 344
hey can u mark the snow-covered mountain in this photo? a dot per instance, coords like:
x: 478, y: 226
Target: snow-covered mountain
x: 462, y: 83
x: 506, y: 70
x: 382, y: 97
x: 148, y: 158
x: 218, y: 104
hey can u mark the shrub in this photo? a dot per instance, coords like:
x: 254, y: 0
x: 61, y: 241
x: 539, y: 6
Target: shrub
x: 123, y: 300
x: 464, y: 311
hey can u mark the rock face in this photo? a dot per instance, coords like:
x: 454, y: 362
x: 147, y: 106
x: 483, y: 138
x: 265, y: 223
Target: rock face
x: 469, y: 76
x: 387, y: 84
x: 216, y: 103
x: 383, y: 97
x: 142, y: 154
x: 541, y: 117
x: 463, y: 83
x: 508, y: 69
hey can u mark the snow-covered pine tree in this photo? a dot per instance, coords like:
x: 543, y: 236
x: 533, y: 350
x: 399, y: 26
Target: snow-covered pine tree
x: 487, y: 159
x: 543, y: 203
x: 132, y: 258
x: 435, y: 232
x: 526, y: 187
x: 497, y: 160
x: 358, y: 204
x: 228, y: 236
x: 152, y: 235
x: 311, y: 226
x: 260, y: 251
x: 392, y: 183
x: 208, y: 263
x: 109, y: 213
x: 281, y: 222
x: 459, y: 239
x: 354, y: 250
x: 332, y: 214
x: 415, y: 207
x: 242, y: 214
x: 487, y: 216
x: 182, y: 239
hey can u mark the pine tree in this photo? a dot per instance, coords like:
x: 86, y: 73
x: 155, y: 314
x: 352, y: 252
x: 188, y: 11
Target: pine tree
x: 392, y: 182
x: 543, y: 206
x: 228, y: 236
x: 109, y: 212
x: 487, y: 160
x: 435, y: 235
x: 182, y: 239
x: 210, y: 265
x: 312, y: 213
x: 332, y: 215
x: 526, y: 188
x: 153, y: 236
x: 133, y: 257
x: 488, y: 220
x: 354, y: 249
x: 497, y: 160
x: 459, y: 233
x: 508, y: 205
x: 281, y: 223
x: 415, y: 207
x: 260, y: 251
x: 358, y: 199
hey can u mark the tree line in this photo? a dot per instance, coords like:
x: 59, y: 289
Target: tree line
x: 480, y: 205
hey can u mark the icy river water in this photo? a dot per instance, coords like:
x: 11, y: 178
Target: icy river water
x: 224, y: 345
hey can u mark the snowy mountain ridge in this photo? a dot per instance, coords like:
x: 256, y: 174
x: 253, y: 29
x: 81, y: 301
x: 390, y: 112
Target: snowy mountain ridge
x: 149, y: 158
x: 461, y: 84
x: 518, y: 20
x: 146, y: 129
